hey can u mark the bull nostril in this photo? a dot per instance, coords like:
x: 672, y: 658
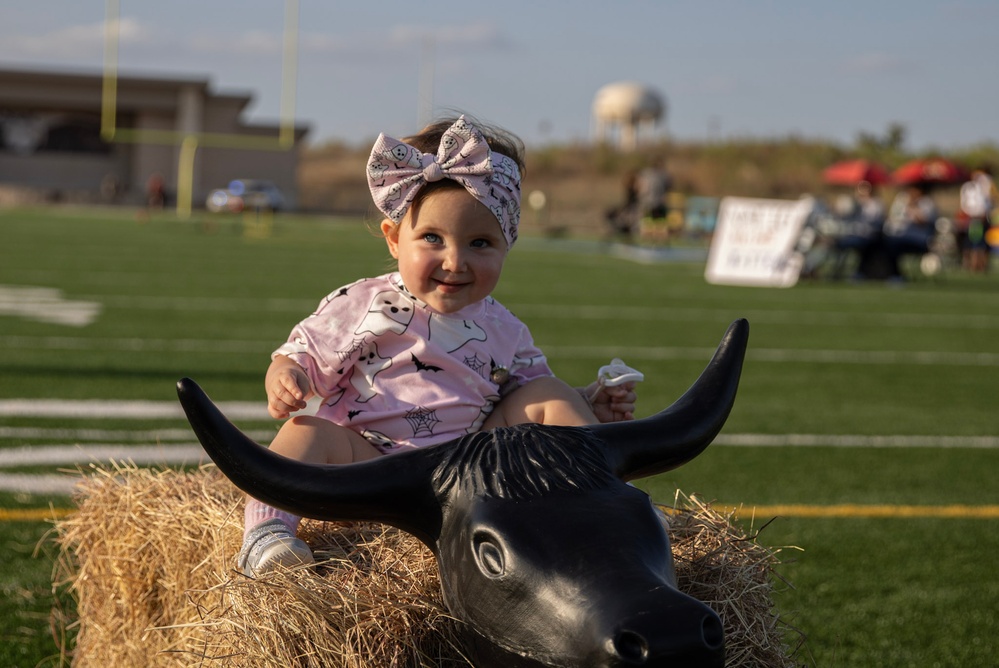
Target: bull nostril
x: 712, y: 632
x: 631, y: 648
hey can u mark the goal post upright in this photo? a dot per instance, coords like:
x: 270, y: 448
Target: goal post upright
x: 187, y: 141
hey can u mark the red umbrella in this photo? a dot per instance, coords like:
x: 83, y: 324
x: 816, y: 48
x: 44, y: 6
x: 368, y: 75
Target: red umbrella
x: 852, y: 172
x: 929, y: 170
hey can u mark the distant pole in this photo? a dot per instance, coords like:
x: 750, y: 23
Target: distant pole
x: 289, y: 74
x: 425, y: 95
x: 109, y: 90
x: 185, y: 175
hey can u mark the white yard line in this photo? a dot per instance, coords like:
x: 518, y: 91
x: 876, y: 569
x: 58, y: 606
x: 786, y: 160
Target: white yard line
x: 790, y: 355
x: 176, y: 446
x: 117, y: 446
x: 104, y: 409
x: 80, y: 455
x: 773, y: 355
x: 24, y: 483
x: 874, y: 318
x: 191, y: 454
x: 851, y: 319
x: 856, y: 441
x: 116, y: 435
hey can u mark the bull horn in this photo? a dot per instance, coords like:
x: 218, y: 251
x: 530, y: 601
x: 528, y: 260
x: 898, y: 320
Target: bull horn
x: 679, y: 433
x: 394, y: 490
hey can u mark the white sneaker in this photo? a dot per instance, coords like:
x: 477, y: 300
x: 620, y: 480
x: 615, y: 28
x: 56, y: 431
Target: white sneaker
x: 271, y: 544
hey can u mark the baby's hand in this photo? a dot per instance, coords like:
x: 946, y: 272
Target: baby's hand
x: 288, y: 390
x: 613, y: 403
x: 613, y: 396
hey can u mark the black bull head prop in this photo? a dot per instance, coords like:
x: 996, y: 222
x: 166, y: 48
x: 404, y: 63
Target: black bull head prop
x: 545, y: 554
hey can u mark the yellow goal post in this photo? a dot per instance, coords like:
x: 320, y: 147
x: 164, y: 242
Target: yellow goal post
x: 189, y: 142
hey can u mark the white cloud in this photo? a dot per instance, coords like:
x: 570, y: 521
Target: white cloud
x: 481, y: 35
x: 80, y: 44
x: 143, y: 44
x: 877, y: 63
x: 400, y: 39
x: 252, y: 43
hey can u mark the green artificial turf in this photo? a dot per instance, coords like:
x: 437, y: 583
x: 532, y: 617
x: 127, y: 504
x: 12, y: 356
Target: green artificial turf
x: 205, y: 299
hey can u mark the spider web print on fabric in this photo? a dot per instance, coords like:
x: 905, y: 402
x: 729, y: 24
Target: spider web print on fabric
x: 355, y: 345
x: 475, y: 364
x: 422, y: 421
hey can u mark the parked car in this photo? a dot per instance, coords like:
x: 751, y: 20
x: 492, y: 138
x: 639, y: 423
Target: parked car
x: 244, y: 194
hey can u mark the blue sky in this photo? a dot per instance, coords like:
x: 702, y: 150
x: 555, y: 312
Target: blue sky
x: 726, y: 68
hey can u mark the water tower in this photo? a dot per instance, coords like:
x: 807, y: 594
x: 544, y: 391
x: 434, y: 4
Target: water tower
x: 625, y: 110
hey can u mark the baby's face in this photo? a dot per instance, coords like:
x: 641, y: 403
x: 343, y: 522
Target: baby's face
x: 450, y: 250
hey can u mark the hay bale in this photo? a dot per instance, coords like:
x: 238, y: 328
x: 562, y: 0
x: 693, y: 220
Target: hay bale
x: 149, y: 558
x: 721, y: 565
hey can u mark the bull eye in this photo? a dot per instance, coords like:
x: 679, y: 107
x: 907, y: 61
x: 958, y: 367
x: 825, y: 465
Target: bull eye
x: 489, y: 555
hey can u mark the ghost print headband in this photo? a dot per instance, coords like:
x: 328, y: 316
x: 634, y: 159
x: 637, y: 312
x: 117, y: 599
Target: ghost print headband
x: 397, y: 171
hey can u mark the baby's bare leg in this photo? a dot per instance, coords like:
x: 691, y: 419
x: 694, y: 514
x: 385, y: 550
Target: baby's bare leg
x: 543, y: 401
x: 318, y: 441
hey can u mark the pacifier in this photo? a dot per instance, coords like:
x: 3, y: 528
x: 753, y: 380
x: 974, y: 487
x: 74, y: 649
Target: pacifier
x: 617, y: 372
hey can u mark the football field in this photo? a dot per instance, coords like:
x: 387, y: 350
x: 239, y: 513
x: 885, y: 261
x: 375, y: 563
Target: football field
x: 864, y: 436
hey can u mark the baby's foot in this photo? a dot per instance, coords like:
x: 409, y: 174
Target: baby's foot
x: 271, y: 544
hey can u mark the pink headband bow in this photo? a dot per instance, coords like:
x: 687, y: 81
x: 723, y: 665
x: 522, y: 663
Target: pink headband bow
x: 397, y: 171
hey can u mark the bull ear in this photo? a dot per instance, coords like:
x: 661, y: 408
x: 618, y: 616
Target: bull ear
x: 676, y: 435
x: 395, y: 490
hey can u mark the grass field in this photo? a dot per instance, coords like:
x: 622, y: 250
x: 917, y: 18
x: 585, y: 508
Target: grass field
x: 857, y: 401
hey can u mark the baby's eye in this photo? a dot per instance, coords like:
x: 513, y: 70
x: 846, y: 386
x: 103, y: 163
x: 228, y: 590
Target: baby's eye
x: 481, y: 243
x: 432, y: 238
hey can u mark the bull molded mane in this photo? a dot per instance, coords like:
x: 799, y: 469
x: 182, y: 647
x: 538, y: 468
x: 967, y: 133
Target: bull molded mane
x: 524, y: 462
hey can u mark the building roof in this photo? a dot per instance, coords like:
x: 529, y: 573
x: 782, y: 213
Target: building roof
x: 82, y: 90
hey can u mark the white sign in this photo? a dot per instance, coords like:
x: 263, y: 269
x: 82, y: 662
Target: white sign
x: 754, y: 242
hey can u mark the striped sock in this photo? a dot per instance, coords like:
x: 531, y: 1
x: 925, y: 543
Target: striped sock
x: 257, y: 512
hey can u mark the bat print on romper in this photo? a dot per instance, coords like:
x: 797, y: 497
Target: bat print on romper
x: 342, y: 292
x: 421, y: 366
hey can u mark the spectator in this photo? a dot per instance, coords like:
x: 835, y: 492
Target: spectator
x: 854, y: 225
x: 623, y: 219
x: 155, y: 192
x: 911, y: 225
x: 978, y: 197
x: 863, y: 232
x: 654, y: 184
